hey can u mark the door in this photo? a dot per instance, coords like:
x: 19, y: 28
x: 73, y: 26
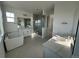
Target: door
x: 37, y: 24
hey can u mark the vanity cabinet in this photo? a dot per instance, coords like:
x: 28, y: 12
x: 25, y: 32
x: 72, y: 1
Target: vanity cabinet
x: 25, y: 25
x: 27, y: 32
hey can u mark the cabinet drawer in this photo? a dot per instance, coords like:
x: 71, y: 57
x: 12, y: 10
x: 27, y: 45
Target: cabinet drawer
x: 27, y: 32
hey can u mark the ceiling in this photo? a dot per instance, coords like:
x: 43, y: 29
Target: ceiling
x: 31, y: 6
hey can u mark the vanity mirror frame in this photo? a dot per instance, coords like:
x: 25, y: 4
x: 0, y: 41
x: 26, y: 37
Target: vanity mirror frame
x: 22, y: 19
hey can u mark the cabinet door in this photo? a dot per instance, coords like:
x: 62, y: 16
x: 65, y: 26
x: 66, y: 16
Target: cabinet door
x: 27, y: 32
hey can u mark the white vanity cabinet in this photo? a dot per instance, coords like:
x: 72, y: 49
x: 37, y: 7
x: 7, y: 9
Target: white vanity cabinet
x: 27, y: 32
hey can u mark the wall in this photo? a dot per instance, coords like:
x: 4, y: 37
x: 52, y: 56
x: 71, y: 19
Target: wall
x: 75, y: 21
x: 9, y: 27
x: 63, y: 12
x: 48, y: 28
x: 76, y: 48
x: 2, y: 52
x: 44, y: 28
x: 51, y: 24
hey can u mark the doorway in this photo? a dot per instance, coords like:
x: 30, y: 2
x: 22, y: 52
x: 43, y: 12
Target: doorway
x: 37, y: 24
x: 49, y: 25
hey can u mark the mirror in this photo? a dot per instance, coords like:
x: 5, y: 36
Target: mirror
x: 24, y: 22
x: 27, y: 22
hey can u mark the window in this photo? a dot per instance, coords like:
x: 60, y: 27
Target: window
x: 38, y: 21
x: 10, y: 17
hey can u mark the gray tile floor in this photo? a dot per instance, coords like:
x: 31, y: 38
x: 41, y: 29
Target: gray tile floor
x: 32, y: 48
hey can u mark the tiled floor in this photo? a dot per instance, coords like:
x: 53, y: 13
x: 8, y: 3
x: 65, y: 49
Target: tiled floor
x: 32, y: 48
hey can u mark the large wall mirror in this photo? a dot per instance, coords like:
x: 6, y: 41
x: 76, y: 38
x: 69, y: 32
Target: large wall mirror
x: 27, y: 22
x: 24, y: 22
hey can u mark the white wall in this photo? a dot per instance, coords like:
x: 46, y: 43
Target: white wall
x: 69, y: 12
x: 75, y: 21
x: 18, y: 13
x: 63, y: 12
x: 76, y: 48
x: 2, y: 52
